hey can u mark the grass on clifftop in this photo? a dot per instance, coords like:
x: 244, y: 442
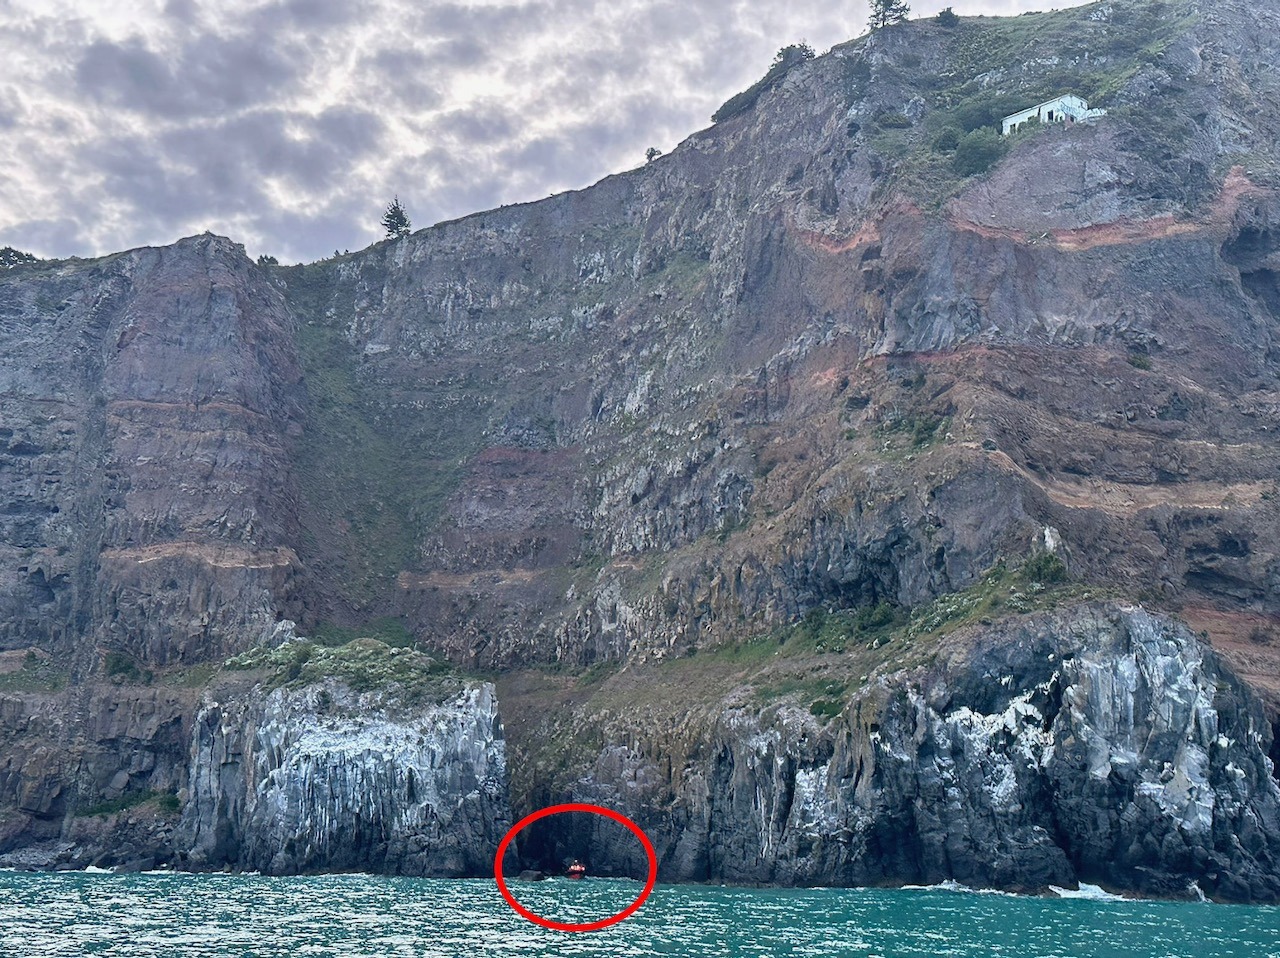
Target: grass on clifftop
x: 363, y: 665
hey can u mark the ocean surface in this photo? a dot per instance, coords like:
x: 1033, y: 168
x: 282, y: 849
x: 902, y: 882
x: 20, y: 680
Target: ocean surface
x: 245, y: 915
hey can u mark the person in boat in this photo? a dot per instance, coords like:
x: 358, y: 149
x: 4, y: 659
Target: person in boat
x: 577, y: 870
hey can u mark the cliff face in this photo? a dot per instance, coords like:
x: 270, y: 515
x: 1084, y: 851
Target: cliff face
x: 801, y: 361
x: 146, y: 401
x: 322, y: 779
x: 146, y: 524
x: 1097, y: 744
x: 808, y: 368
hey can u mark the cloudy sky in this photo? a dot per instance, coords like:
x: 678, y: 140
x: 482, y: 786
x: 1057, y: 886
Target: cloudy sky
x: 289, y: 124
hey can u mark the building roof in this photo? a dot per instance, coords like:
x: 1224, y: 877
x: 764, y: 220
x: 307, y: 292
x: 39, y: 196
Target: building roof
x: 1057, y: 99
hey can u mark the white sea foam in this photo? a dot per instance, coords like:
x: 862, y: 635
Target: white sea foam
x: 1087, y: 891
x: 954, y: 886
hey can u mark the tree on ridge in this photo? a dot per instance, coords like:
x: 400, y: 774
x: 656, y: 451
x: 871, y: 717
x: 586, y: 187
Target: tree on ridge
x: 885, y: 12
x: 395, y: 220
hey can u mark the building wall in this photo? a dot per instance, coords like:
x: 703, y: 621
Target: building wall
x: 1051, y: 111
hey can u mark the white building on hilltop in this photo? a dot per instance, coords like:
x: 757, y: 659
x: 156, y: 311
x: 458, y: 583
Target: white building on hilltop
x: 1064, y: 109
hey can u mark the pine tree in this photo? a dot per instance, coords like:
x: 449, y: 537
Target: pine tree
x: 395, y: 220
x: 885, y: 12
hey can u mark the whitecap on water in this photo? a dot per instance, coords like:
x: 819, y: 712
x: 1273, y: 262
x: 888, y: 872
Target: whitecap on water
x: 954, y: 886
x: 1087, y: 891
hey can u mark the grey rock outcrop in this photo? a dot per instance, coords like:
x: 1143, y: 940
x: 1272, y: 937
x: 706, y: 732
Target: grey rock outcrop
x: 1102, y: 744
x: 324, y: 779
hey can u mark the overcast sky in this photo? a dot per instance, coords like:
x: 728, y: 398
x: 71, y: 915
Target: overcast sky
x: 290, y: 124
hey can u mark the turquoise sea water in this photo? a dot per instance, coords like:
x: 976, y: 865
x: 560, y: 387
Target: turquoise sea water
x: 239, y: 915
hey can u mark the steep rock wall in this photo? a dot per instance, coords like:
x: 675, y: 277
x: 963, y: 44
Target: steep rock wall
x: 1102, y: 744
x: 146, y: 397
x: 323, y: 779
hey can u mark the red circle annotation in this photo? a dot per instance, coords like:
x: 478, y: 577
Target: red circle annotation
x: 567, y: 925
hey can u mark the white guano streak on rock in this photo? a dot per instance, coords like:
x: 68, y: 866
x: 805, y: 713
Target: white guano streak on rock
x: 1021, y: 722
x: 323, y: 767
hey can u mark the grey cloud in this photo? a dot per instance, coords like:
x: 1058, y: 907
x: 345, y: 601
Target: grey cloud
x: 128, y: 72
x: 559, y: 159
x: 10, y: 107
x: 394, y: 61
x: 219, y: 171
x: 352, y: 130
x: 59, y: 236
x: 460, y: 52
x: 316, y: 13
x: 234, y: 72
x: 159, y: 195
x: 402, y: 75
x: 471, y: 182
x: 347, y: 222
x: 498, y: 23
x: 183, y: 11
x: 239, y: 152
x: 576, y: 155
x: 52, y: 36
x: 481, y: 127
x: 208, y: 76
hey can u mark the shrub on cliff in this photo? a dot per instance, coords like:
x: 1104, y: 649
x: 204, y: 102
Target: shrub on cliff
x: 892, y: 120
x: 977, y: 152
x: 395, y: 221
x: 948, y: 139
x: 783, y: 60
x: 1044, y: 567
x: 885, y: 12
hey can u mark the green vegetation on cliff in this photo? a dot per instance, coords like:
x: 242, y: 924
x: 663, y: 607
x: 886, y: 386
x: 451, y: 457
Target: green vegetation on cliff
x: 829, y: 652
x: 972, y: 73
x: 363, y: 665
x: 375, y: 468
x: 783, y: 61
x: 37, y: 673
x: 166, y: 803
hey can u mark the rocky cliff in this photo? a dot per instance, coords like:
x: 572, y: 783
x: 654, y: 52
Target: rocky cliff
x: 318, y: 777
x: 836, y: 369
x: 1095, y: 743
